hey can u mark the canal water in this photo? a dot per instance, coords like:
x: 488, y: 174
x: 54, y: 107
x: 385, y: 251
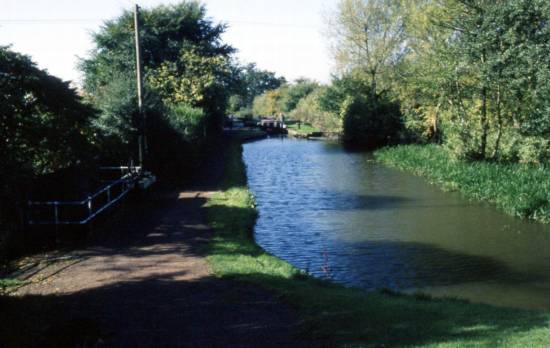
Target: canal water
x: 342, y: 216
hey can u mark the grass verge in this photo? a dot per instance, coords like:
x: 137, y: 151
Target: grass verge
x: 7, y: 283
x: 347, y: 317
x: 519, y: 190
x: 304, y: 129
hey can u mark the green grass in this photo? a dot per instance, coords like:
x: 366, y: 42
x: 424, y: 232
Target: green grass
x: 7, y: 283
x: 304, y: 129
x: 347, y: 317
x: 518, y: 189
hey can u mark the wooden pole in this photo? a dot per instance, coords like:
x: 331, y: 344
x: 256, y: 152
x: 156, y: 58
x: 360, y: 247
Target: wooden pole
x: 141, y: 138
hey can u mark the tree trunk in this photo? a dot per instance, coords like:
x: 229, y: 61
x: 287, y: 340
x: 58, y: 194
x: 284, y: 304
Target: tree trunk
x: 484, y: 120
x: 373, y: 84
x: 499, y: 120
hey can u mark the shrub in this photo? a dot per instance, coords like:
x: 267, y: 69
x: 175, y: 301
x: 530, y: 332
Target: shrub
x: 186, y: 120
x: 370, y: 123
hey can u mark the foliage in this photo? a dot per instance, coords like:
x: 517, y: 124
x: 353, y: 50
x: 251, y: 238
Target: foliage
x: 44, y: 123
x: 471, y: 74
x: 518, y: 189
x: 283, y: 100
x: 370, y: 122
x: 476, y: 77
x: 250, y: 83
x: 337, y: 316
x: 270, y: 103
x: 368, y: 37
x: 44, y: 127
x: 300, y: 89
x: 184, y: 61
x: 302, y: 128
x: 190, y: 78
x: 186, y: 120
x: 309, y: 110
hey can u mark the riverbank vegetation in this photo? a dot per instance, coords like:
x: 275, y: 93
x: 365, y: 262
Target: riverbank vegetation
x: 518, y: 189
x: 470, y: 75
x: 302, y: 128
x: 338, y: 316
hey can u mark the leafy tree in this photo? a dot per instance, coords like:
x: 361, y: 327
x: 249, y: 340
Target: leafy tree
x: 296, y: 91
x: 250, y: 83
x: 184, y: 61
x: 501, y: 77
x: 309, y: 110
x: 368, y: 37
x: 270, y: 103
x: 44, y: 126
x: 370, y: 123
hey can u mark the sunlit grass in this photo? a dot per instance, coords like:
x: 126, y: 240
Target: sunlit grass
x: 305, y: 128
x: 337, y: 316
x: 518, y: 189
x: 7, y: 283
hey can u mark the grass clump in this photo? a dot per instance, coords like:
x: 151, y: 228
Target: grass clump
x: 7, y: 283
x: 305, y: 128
x: 348, y: 317
x: 518, y: 189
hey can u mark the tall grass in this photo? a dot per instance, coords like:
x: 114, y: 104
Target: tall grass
x: 336, y: 316
x: 518, y: 189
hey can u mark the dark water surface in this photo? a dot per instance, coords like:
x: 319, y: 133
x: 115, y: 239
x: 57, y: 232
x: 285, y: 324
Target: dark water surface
x: 341, y: 215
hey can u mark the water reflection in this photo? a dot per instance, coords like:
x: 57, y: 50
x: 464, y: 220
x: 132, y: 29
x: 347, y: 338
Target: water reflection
x: 341, y: 215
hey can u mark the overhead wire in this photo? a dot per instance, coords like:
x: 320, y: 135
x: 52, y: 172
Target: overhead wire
x: 82, y: 20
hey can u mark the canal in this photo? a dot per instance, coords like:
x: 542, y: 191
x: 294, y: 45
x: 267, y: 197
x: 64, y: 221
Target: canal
x: 342, y: 216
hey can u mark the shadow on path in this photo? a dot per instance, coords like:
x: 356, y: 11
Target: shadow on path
x: 143, y: 282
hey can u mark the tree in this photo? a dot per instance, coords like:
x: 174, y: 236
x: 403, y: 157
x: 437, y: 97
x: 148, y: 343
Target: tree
x: 501, y: 49
x: 44, y: 127
x: 309, y: 110
x: 184, y: 59
x: 250, y: 83
x: 270, y: 103
x: 368, y: 37
x: 300, y: 89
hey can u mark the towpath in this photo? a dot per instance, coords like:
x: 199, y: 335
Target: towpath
x: 145, y: 283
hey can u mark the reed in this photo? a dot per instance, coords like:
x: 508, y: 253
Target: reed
x: 521, y: 190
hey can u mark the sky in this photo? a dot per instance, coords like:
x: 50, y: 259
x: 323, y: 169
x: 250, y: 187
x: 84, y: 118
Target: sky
x: 284, y: 36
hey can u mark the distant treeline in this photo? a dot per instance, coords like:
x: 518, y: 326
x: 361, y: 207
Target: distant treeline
x: 473, y: 75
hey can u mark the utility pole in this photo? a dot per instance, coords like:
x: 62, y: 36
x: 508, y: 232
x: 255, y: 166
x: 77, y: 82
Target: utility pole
x: 142, y: 142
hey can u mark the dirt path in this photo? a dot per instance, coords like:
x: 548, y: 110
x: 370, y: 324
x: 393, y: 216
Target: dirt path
x: 145, y: 283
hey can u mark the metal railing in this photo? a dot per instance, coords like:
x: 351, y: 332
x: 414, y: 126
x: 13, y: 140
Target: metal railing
x: 40, y: 213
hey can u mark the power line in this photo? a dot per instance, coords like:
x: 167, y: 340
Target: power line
x: 273, y: 24
x: 47, y: 20
x: 77, y: 20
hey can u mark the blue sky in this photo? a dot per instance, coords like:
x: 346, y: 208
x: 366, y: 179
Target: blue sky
x: 285, y: 36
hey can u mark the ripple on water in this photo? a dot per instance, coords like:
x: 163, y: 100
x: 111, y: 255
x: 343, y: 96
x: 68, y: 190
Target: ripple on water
x: 343, y: 216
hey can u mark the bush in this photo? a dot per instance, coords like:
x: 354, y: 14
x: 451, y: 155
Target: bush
x: 186, y: 120
x: 309, y: 111
x: 370, y: 123
x: 535, y: 150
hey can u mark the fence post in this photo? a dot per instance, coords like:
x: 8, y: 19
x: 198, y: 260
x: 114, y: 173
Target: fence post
x: 29, y: 212
x: 109, y: 194
x: 89, y: 206
x: 56, y: 212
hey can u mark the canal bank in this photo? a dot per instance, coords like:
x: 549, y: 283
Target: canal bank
x: 521, y: 190
x: 341, y: 316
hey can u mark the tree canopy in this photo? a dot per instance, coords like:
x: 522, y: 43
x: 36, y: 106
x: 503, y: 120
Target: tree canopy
x: 184, y: 62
